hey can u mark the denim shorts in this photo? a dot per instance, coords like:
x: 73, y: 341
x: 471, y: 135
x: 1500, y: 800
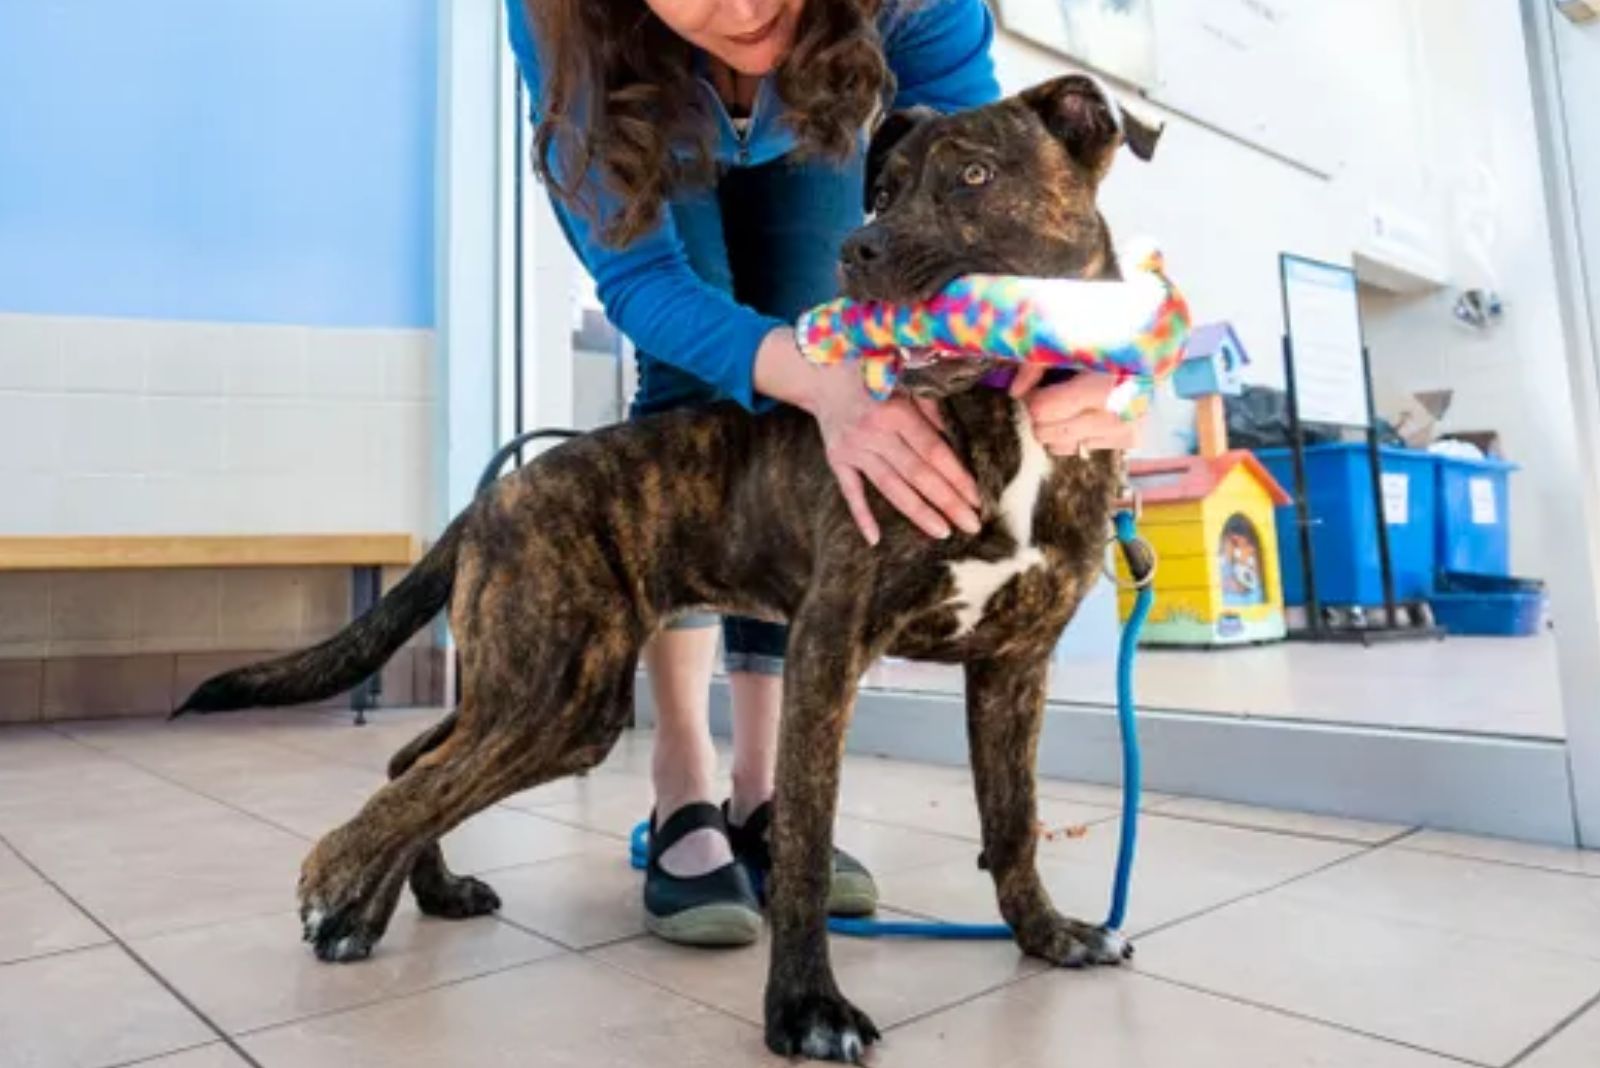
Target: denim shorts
x: 770, y: 237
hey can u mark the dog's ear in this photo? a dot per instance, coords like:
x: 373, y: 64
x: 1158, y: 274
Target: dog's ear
x: 890, y: 132
x: 1090, y: 122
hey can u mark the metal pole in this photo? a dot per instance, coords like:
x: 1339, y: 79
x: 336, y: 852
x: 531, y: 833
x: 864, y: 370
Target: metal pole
x: 1375, y: 463
x: 1308, y: 567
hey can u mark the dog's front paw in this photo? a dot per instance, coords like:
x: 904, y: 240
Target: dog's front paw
x: 337, y: 935
x: 343, y: 910
x: 1071, y: 944
x: 822, y: 1026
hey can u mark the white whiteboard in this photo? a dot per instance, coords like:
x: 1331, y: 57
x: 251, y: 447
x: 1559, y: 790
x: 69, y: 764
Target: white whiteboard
x: 1324, y: 321
x: 1259, y: 70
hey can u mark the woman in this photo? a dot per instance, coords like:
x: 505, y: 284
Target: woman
x: 705, y: 159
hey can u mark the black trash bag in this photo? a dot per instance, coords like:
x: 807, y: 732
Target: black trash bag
x: 1388, y: 436
x: 1259, y: 419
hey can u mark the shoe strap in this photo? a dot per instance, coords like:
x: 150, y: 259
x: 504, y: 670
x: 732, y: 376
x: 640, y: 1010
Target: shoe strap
x: 695, y: 816
x: 751, y: 839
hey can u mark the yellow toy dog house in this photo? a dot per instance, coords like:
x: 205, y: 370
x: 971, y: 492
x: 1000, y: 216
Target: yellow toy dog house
x: 1211, y: 520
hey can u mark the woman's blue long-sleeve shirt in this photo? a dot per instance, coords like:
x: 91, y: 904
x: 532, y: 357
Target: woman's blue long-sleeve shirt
x: 939, y: 51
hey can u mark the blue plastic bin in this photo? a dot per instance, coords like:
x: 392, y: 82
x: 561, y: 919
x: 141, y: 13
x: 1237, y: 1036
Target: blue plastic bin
x: 1492, y: 605
x: 1473, y: 532
x: 1499, y: 615
x: 1344, y: 535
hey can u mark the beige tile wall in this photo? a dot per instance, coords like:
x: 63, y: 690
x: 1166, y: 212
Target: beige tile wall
x: 131, y: 643
x: 114, y: 426
x: 51, y: 614
x: 152, y: 684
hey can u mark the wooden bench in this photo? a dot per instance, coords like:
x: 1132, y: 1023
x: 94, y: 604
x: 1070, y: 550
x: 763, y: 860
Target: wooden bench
x: 365, y: 554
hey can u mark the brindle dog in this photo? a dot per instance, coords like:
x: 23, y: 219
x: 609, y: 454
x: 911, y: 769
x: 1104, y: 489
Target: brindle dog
x: 558, y: 574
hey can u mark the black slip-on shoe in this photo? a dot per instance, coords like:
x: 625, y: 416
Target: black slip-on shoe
x: 718, y: 908
x: 853, y: 892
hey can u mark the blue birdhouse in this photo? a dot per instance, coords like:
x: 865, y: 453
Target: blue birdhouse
x: 1213, y: 363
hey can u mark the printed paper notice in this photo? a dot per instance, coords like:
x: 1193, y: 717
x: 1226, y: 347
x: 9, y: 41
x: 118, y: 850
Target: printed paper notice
x: 1397, y: 499
x: 1330, y: 377
x: 1485, y: 506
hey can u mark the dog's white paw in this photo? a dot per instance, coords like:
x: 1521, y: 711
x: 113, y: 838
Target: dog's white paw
x: 821, y: 1027
x: 825, y: 1044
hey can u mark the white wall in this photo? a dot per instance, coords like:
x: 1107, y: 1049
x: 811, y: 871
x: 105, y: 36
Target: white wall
x: 1481, y: 168
x: 1221, y: 211
x: 121, y: 426
x: 1426, y: 97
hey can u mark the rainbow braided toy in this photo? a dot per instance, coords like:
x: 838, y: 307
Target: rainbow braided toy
x: 1135, y: 329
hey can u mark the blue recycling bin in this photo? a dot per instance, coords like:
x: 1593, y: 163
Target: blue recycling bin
x: 1344, y: 534
x: 1473, y: 530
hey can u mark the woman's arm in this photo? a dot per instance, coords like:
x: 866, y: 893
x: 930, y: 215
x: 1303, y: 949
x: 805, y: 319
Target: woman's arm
x: 649, y: 290
x: 940, y: 52
x: 651, y: 293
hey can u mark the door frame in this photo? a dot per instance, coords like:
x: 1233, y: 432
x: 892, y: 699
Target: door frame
x: 1537, y: 790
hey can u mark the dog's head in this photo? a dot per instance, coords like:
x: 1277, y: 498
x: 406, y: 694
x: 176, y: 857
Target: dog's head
x: 1009, y: 188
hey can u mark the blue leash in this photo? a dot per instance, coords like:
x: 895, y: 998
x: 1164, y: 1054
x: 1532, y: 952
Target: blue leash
x: 1132, y: 785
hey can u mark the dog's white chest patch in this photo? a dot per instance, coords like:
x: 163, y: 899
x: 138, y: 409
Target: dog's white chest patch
x: 977, y: 580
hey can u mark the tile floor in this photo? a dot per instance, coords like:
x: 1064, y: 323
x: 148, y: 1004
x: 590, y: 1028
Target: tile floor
x: 147, y: 917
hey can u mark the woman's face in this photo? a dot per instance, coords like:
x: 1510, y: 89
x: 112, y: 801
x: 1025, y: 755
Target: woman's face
x: 751, y: 36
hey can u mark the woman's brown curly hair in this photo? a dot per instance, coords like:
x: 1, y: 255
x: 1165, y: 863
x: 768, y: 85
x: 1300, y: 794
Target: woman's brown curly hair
x: 650, y: 135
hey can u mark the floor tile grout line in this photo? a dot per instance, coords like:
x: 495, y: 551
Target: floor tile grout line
x: 54, y: 953
x: 657, y: 984
x: 1291, y: 1014
x: 1360, y: 851
x: 928, y: 1014
x: 949, y: 836
x: 1499, y: 862
x: 1141, y: 935
x: 580, y: 826
x: 206, y: 925
x: 178, y: 784
x: 163, y: 1056
x: 1592, y: 1004
x: 1357, y: 854
x: 1315, y: 836
x: 1112, y: 817
x: 128, y: 950
x: 660, y: 985
x: 536, y: 933
x: 433, y: 988
x: 59, y: 727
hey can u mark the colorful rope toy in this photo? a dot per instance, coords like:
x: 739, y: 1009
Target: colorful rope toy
x: 1135, y: 329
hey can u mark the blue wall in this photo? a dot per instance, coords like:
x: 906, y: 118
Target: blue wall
x: 234, y: 160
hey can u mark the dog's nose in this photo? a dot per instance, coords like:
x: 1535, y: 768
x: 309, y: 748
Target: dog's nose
x: 864, y: 248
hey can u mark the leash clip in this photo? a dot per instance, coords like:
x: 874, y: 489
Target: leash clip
x: 1139, y: 553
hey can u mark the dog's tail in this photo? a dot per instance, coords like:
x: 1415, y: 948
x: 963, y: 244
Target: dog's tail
x: 348, y: 657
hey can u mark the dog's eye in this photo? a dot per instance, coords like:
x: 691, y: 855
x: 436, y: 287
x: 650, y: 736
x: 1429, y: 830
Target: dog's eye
x: 880, y: 200
x: 977, y: 174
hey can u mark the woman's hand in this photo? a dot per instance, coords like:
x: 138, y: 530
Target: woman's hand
x: 1071, y: 417
x: 895, y: 443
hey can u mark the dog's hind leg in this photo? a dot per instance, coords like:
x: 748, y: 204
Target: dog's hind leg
x: 1005, y: 710
x: 439, y: 891
x: 510, y: 734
